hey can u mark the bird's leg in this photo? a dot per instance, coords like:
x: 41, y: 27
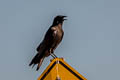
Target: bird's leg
x: 52, y: 54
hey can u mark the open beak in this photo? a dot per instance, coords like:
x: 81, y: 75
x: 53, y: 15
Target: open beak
x: 64, y: 17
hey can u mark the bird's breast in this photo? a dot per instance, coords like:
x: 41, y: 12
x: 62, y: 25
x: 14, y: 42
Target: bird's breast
x: 59, y: 34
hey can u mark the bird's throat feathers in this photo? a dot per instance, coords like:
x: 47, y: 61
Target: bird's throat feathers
x: 58, y: 25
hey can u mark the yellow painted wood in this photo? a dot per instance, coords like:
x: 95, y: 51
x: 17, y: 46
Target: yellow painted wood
x: 60, y: 69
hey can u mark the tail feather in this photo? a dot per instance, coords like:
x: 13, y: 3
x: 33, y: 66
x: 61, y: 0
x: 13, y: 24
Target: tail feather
x: 33, y: 65
x: 37, y: 60
x: 39, y: 64
x: 34, y: 60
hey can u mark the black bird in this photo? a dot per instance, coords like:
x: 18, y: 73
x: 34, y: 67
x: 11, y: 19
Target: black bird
x: 50, y: 42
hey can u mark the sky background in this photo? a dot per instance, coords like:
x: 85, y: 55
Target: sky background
x: 91, y: 43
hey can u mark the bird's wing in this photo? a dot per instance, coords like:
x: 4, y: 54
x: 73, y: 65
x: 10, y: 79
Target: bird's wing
x: 38, y: 48
x: 48, y: 39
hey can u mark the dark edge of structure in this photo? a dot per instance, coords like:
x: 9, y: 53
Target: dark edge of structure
x: 62, y: 65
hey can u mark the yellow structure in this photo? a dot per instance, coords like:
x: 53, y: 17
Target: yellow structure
x: 58, y: 69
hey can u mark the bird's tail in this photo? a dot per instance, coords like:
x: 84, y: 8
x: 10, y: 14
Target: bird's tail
x: 37, y: 60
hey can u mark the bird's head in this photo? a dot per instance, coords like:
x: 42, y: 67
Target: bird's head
x: 59, y: 19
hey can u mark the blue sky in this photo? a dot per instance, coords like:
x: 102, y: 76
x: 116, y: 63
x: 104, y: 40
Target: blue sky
x: 91, y: 43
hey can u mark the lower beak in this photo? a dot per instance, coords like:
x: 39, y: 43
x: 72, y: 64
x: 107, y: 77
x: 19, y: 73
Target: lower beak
x: 64, y: 19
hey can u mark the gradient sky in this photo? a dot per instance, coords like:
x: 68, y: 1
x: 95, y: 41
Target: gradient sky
x: 91, y: 43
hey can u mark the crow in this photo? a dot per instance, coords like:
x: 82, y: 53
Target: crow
x: 50, y: 42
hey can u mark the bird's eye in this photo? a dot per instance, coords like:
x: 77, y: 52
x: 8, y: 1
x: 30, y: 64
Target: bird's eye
x: 57, y: 21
